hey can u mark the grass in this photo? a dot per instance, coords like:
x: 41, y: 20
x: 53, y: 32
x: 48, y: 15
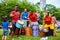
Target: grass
x: 31, y: 37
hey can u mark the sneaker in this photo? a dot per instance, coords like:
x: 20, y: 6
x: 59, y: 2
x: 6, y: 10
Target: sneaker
x: 44, y: 38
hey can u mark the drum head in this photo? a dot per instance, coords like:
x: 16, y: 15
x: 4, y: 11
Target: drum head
x: 18, y: 25
x: 21, y: 22
x: 45, y: 30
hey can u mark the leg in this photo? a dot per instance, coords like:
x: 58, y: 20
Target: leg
x: 27, y: 23
x: 3, y: 37
x: 54, y: 32
x: 13, y: 29
x: 10, y: 31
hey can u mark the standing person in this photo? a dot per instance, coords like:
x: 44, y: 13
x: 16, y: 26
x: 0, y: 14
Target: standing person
x: 48, y: 23
x: 15, y: 14
x: 34, y: 23
x: 33, y: 18
x: 55, y: 23
x: 54, y: 19
x: 10, y: 27
x: 5, y: 25
x: 28, y: 23
x: 38, y: 17
x: 24, y: 17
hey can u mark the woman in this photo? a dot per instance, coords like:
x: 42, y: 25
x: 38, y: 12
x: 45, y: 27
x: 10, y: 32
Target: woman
x: 48, y: 23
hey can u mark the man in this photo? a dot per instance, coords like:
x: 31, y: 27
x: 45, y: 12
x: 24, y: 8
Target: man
x: 33, y: 18
x: 24, y: 17
x: 15, y: 14
x: 34, y: 23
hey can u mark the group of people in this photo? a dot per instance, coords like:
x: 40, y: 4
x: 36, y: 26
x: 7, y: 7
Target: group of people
x: 29, y: 19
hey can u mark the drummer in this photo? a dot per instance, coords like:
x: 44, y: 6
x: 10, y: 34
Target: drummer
x: 33, y: 18
x: 47, y: 22
x: 24, y: 17
x: 15, y: 14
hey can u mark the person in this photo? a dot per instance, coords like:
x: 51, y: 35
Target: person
x: 34, y: 23
x: 5, y: 24
x: 15, y: 14
x: 24, y: 17
x: 54, y: 20
x: 48, y: 23
x: 55, y: 23
x: 33, y: 18
x: 38, y: 17
x: 10, y: 27
x: 58, y: 24
x: 28, y: 23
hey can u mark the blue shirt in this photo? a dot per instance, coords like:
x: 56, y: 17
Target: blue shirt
x: 24, y: 15
x: 5, y: 25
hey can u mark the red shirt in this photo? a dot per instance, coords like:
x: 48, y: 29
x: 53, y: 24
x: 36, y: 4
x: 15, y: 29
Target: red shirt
x: 15, y: 16
x: 33, y: 17
x: 48, y: 20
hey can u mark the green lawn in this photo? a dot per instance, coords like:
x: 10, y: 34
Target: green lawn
x: 31, y: 37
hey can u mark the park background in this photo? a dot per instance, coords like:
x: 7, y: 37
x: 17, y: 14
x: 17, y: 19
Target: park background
x: 6, y: 6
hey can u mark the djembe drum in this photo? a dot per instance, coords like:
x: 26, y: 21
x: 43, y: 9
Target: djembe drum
x: 28, y: 31
x: 35, y: 30
x: 19, y: 25
x: 43, y: 32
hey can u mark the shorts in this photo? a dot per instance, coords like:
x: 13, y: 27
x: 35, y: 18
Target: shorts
x: 51, y: 26
x: 5, y: 33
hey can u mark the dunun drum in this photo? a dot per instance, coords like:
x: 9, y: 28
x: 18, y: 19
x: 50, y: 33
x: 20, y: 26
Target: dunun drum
x: 28, y: 31
x: 35, y: 30
x: 42, y: 34
x: 22, y: 31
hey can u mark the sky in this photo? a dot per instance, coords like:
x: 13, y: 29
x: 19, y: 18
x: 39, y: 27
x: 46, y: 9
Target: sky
x: 53, y: 2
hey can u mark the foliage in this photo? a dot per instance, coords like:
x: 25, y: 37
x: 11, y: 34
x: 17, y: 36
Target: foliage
x: 7, y: 6
x: 38, y: 5
x: 57, y: 13
x: 53, y: 10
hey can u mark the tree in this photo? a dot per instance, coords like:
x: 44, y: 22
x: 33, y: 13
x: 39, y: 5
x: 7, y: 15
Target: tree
x: 8, y: 5
x: 51, y: 8
x: 38, y: 5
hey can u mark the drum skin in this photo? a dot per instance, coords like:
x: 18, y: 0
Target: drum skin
x: 35, y: 31
x: 28, y: 31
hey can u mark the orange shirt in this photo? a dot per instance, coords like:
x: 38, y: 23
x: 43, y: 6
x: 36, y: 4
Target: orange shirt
x: 47, y: 20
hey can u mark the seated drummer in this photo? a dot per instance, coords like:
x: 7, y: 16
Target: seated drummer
x: 48, y: 23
